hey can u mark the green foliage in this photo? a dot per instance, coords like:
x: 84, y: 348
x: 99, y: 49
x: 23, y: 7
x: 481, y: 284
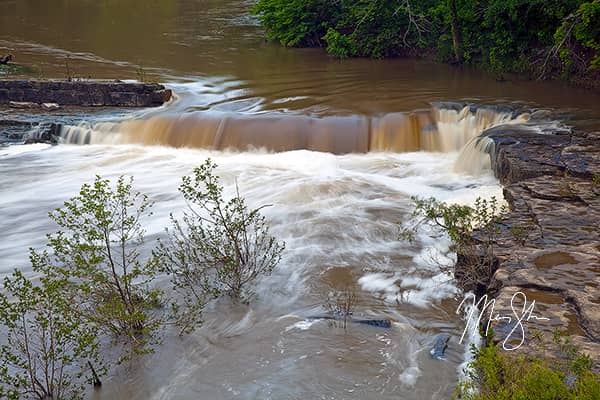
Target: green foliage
x: 458, y: 221
x: 500, y: 35
x: 338, y: 45
x: 502, y: 376
x: 472, y: 230
x: 219, y: 246
x: 20, y: 70
x: 297, y: 22
x: 95, y: 281
x: 587, y: 31
x: 47, y: 345
x: 372, y: 28
x: 96, y: 258
x: 577, y: 39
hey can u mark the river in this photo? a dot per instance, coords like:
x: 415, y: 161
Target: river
x: 336, y: 148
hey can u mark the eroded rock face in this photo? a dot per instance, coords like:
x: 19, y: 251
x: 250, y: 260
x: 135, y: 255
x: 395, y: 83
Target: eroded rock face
x: 84, y: 93
x: 549, y: 247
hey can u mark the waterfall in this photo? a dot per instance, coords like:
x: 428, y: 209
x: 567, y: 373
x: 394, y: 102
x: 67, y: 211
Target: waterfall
x: 437, y: 129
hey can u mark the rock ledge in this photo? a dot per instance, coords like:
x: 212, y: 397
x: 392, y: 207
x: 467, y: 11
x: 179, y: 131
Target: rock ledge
x: 552, y: 186
x: 84, y: 93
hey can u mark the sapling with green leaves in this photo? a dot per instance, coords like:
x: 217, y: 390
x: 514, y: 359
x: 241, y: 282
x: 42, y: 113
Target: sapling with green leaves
x: 96, y: 253
x: 48, y: 346
x: 468, y: 227
x: 219, y: 246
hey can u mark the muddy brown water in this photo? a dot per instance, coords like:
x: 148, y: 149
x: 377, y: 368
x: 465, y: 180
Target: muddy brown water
x: 337, y: 149
x: 218, y: 45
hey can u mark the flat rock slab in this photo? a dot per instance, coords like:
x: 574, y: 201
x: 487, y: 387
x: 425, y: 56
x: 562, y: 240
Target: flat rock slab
x: 84, y: 93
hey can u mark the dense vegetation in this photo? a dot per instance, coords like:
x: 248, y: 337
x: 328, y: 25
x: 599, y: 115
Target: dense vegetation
x: 540, y: 38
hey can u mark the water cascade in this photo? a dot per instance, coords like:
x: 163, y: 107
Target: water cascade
x: 433, y: 130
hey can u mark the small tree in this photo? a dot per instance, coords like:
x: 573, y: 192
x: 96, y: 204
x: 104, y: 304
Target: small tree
x: 97, y: 256
x: 341, y: 303
x: 472, y: 230
x: 219, y: 246
x: 47, y: 344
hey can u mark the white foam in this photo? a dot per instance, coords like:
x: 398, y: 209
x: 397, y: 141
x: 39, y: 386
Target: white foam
x: 21, y: 149
x: 431, y: 290
x: 410, y: 375
x: 301, y: 325
x: 378, y: 282
x: 473, y: 339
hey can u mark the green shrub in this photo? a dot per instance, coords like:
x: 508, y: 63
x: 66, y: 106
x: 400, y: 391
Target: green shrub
x: 577, y: 41
x: 297, y: 23
x: 496, y: 375
x: 218, y: 247
x: 47, y: 345
x: 96, y: 255
x: 338, y: 45
x: 473, y: 231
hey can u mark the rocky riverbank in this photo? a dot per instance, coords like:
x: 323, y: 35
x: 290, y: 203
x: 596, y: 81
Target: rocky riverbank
x: 549, y: 244
x: 83, y: 93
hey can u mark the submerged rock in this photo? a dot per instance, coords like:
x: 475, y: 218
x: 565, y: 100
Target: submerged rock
x: 378, y: 323
x: 44, y: 134
x: 6, y: 59
x: 439, y: 348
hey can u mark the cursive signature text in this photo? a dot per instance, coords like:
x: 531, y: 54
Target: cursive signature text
x: 477, y: 308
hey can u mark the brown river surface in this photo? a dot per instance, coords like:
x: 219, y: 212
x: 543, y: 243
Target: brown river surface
x: 337, y: 149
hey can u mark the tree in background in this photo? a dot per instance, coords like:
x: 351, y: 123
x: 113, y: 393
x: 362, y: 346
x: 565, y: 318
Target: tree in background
x: 297, y: 23
x: 456, y: 33
x: 538, y: 38
x: 576, y: 48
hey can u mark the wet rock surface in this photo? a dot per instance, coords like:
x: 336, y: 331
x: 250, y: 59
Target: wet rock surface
x: 13, y: 130
x: 549, y: 245
x: 84, y: 93
x: 43, y: 126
